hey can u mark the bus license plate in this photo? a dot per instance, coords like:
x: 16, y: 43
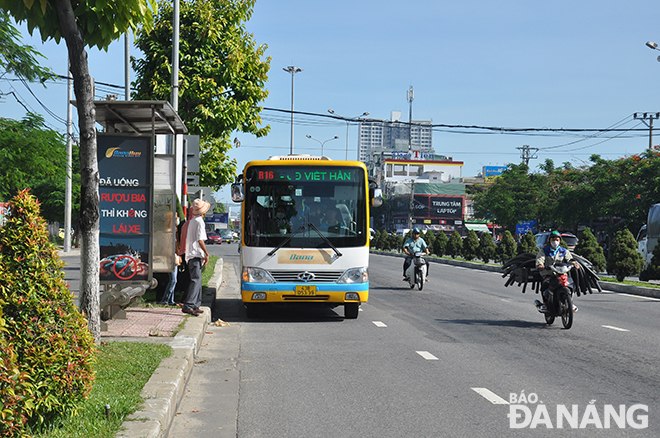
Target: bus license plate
x: 306, y: 290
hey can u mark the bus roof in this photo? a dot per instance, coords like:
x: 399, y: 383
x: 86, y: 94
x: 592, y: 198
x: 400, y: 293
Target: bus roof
x: 297, y: 157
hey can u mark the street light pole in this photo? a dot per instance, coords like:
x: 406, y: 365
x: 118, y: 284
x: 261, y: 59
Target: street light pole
x: 322, y: 142
x: 293, y: 70
x: 348, y: 122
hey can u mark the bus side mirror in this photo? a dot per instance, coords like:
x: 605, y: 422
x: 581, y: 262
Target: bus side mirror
x: 237, y: 194
x: 377, y: 199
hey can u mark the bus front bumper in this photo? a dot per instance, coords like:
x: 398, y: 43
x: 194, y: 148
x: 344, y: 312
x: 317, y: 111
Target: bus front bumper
x: 304, y: 293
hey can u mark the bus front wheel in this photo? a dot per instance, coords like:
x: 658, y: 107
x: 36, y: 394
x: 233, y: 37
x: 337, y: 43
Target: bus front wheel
x: 351, y: 310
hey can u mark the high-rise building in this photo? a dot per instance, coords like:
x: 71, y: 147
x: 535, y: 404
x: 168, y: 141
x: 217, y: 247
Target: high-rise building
x: 393, y: 135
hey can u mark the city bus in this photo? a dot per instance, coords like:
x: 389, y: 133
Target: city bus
x: 304, y: 232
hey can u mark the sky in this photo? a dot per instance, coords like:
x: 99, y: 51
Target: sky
x: 501, y: 64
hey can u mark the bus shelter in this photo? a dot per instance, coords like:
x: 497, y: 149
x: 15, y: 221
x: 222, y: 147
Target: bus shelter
x: 137, y: 198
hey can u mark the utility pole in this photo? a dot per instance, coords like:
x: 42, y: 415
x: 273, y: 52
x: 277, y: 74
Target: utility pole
x: 410, y: 96
x: 526, y: 154
x: 650, y: 117
x: 411, y: 206
x: 69, y: 160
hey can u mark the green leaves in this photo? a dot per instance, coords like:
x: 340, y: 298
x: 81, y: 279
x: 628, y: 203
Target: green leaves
x: 46, y: 348
x: 100, y: 21
x: 222, y: 76
x: 34, y: 156
x: 565, y: 196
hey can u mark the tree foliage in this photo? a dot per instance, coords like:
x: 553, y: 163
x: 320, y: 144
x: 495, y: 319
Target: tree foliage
x: 514, y: 196
x: 624, y: 260
x: 101, y: 22
x: 487, y: 250
x: 20, y: 60
x: 563, y: 197
x: 527, y: 243
x: 455, y: 245
x: 222, y: 76
x: 470, y: 245
x: 32, y: 156
x: 440, y: 244
x: 507, y: 247
x: 588, y: 248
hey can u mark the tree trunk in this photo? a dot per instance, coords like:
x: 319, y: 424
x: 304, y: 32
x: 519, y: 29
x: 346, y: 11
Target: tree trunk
x: 88, y: 222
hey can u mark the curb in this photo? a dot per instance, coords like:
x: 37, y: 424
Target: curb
x: 605, y: 285
x: 164, y: 390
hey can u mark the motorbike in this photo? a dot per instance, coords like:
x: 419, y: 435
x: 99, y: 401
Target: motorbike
x: 416, y: 272
x: 559, y: 296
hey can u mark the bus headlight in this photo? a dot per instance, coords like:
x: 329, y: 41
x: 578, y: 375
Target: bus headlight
x: 354, y: 275
x: 257, y: 275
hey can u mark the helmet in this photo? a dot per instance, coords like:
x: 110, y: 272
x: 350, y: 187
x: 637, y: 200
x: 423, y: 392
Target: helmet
x: 555, y: 234
x: 416, y: 231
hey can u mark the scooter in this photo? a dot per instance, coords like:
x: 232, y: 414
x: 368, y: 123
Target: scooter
x: 416, y: 272
x: 559, y: 296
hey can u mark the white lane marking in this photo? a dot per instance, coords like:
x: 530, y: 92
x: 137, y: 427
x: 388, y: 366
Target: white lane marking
x: 506, y: 300
x: 426, y: 355
x: 379, y: 324
x: 615, y: 328
x: 490, y: 396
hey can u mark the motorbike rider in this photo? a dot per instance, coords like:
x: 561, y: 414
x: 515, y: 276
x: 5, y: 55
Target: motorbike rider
x: 410, y: 247
x: 547, y: 256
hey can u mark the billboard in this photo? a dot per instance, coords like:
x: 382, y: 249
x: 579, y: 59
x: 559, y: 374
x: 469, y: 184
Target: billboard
x: 125, y: 169
x: 430, y: 206
x: 489, y: 171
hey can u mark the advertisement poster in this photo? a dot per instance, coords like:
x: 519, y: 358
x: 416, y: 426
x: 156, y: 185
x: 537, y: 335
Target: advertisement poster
x: 125, y: 208
x: 430, y: 206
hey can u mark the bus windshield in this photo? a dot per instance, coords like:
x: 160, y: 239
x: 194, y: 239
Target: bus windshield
x: 305, y: 206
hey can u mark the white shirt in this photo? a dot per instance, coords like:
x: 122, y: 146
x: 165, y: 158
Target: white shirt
x: 196, y: 232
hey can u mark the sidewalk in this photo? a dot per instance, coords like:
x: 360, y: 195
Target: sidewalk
x: 164, y: 390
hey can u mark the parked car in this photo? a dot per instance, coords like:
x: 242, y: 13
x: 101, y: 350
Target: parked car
x: 570, y: 239
x: 213, y: 238
x: 227, y: 236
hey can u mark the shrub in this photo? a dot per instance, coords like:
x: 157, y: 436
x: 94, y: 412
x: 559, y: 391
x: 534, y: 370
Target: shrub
x: 429, y: 238
x: 440, y: 244
x: 487, y: 250
x: 527, y: 244
x: 470, y: 246
x: 507, y: 247
x: 589, y: 248
x: 455, y: 245
x: 45, y: 331
x: 624, y: 260
x: 15, y: 388
x: 397, y: 243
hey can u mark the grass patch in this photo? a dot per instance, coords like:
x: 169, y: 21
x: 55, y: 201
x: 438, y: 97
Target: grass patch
x: 631, y: 283
x: 122, y: 370
x: 209, y: 270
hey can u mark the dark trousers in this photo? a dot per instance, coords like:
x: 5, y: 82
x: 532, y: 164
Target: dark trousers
x: 193, y: 297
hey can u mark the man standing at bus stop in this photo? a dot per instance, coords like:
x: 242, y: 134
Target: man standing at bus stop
x: 196, y: 257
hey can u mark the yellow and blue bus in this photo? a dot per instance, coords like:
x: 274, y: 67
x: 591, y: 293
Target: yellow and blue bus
x: 304, y: 232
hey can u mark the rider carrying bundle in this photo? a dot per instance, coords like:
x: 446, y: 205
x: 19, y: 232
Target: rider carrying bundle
x: 548, y: 256
x: 413, y: 245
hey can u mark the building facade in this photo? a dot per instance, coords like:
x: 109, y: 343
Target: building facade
x: 393, y: 135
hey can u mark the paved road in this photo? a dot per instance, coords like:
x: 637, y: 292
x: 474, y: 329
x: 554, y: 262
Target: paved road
x: 439, y: 362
